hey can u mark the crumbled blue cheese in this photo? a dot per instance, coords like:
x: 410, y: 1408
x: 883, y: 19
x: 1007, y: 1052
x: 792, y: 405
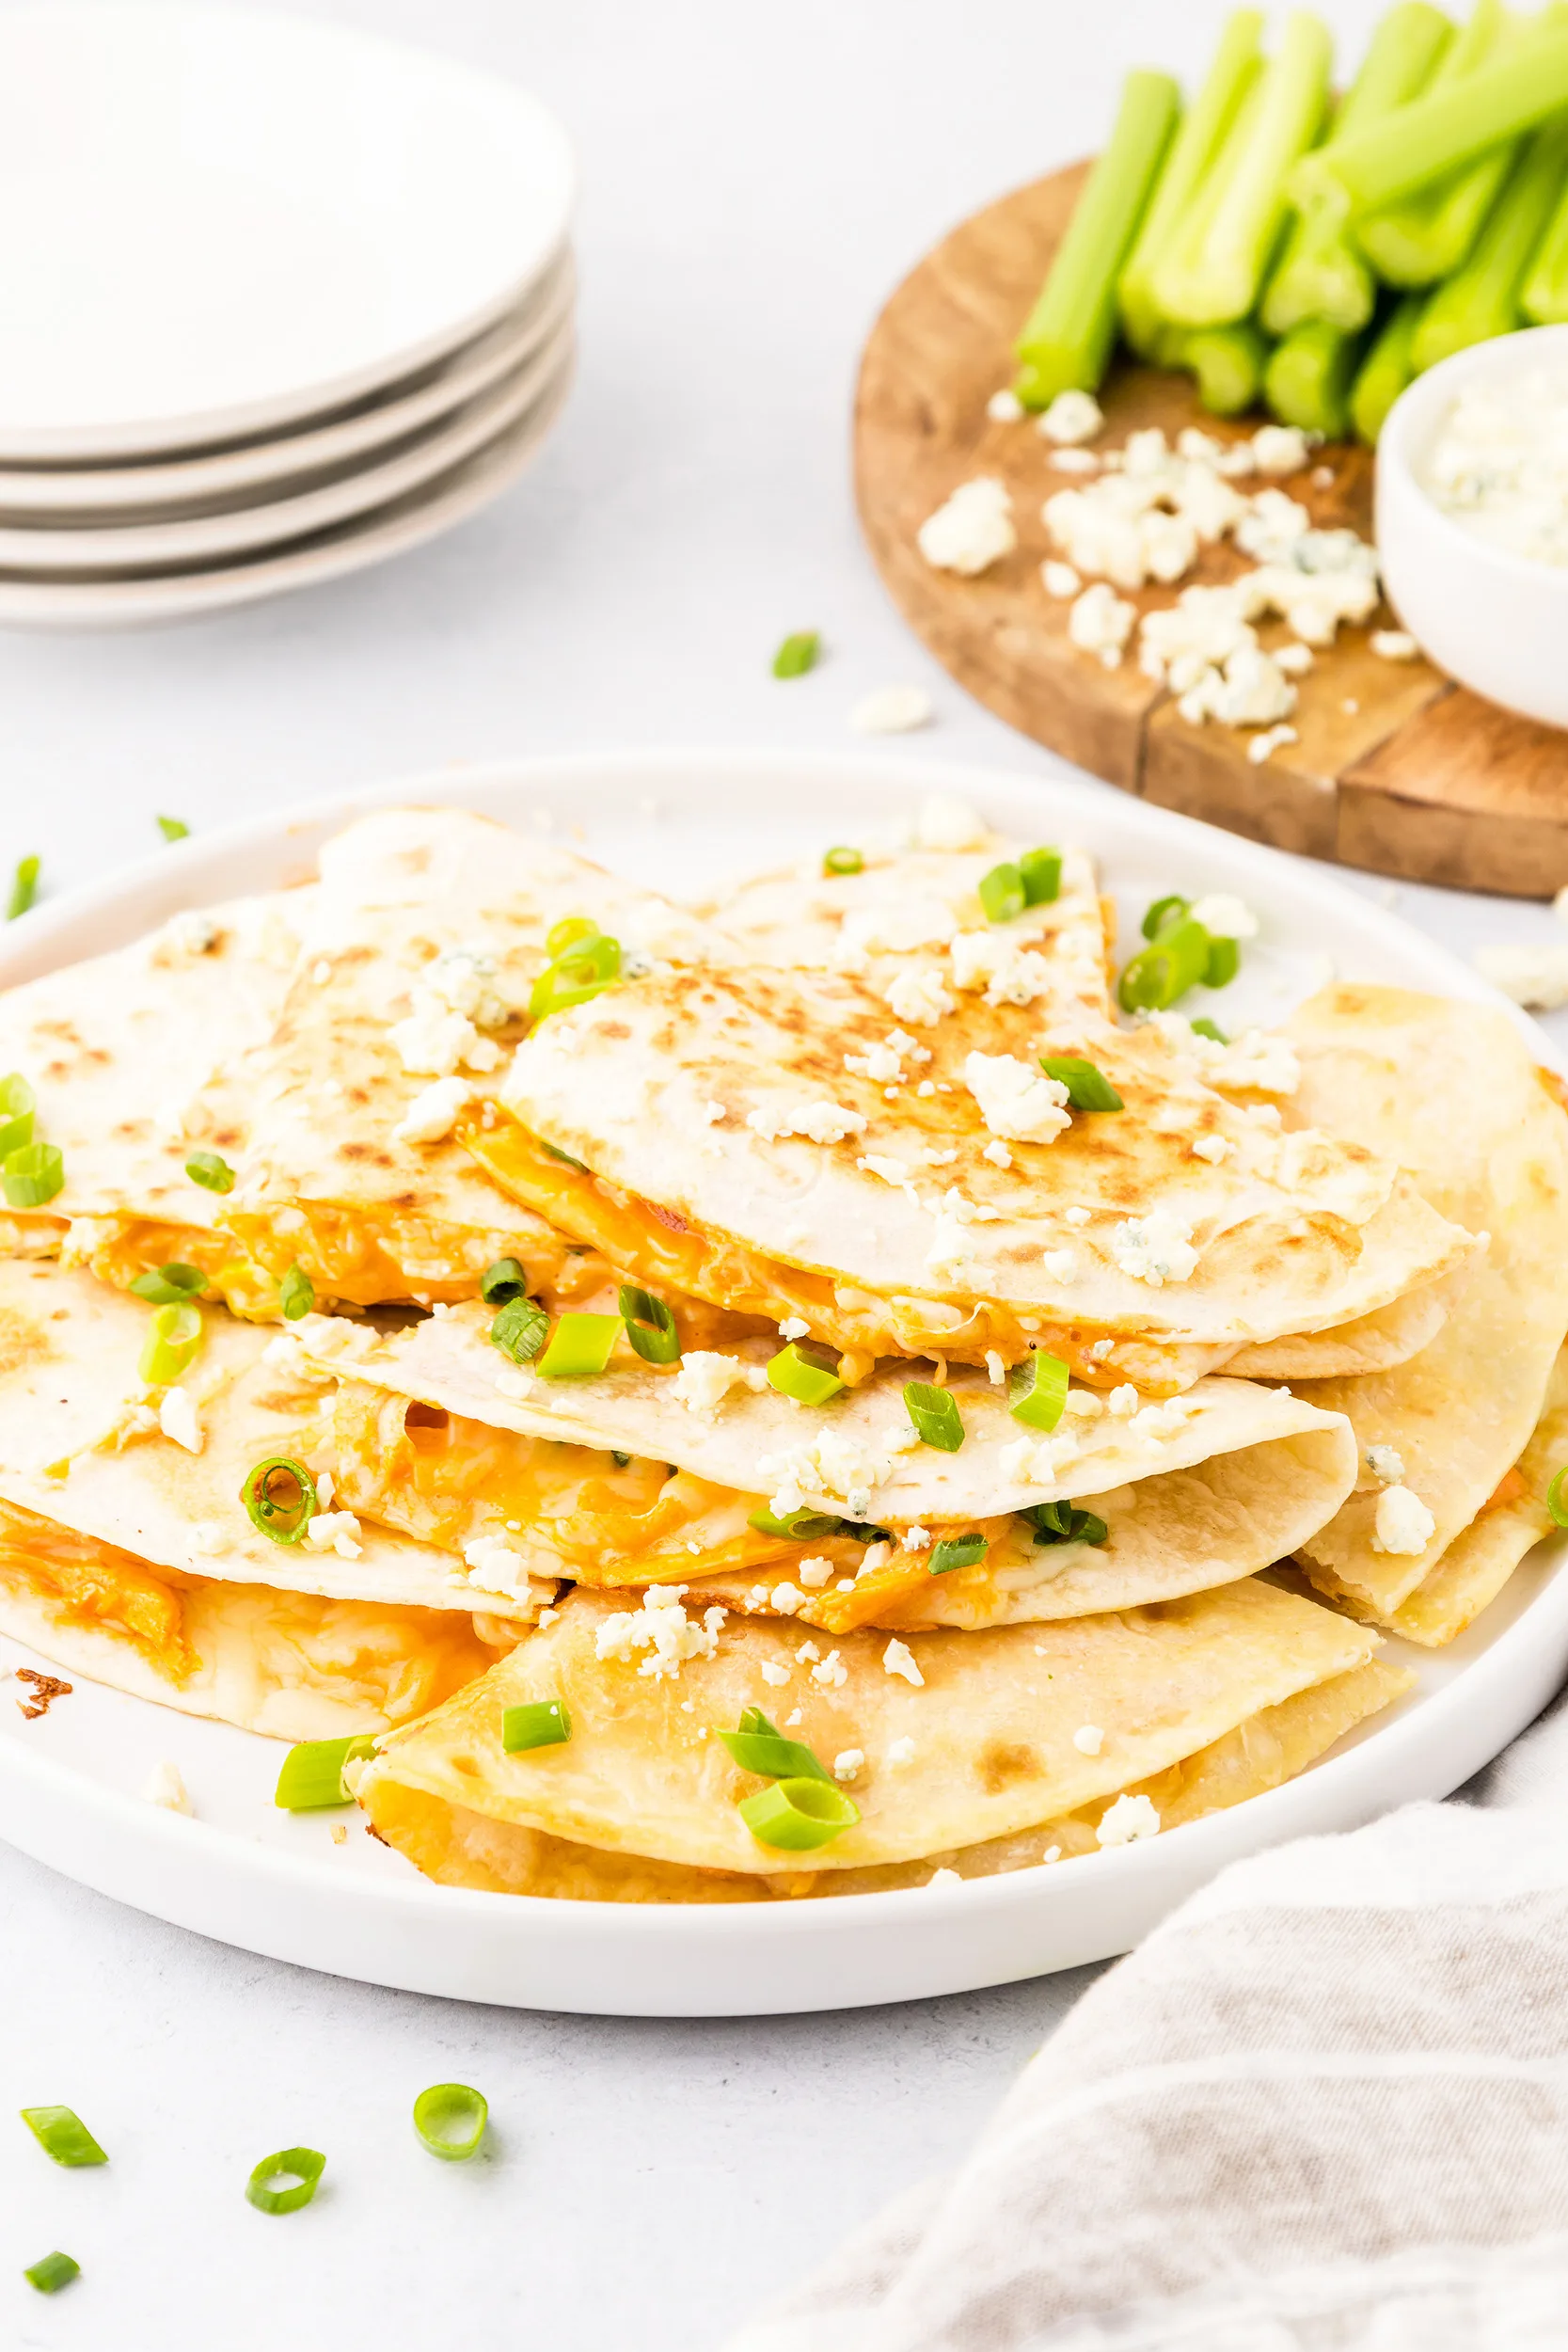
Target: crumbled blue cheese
x: 494, y: 1567
x: 1102, y: 622
x: 1009, y: 974
x: 1533, y: 973
x: 1273, y: 739
x: 334, y: 1531
x: 431, y: 1114
x: 1128, y: 1819
x: 1088, y: 1739
x: 814, y: 1574
x: 1060, y: 579
x: 1403, y: 1522
x: 776, y: 1676
x: 946, y: 821
x: 707, y: 1377
x: 462, y: 979
x: 819, y: 1122
x: 916, y: 995
x: 436, y: 1041
x: 179, y: 1419
x: 164, y: 1785
x: 1280, y: 449
x: 891, y: 710
x: 662, y: 1628
x: 831, y: 1673
x: 1387, y: 1465
x: 971, y: 531
x: 1004, y: 406
x: 848, y: 1762
x: 899, y: 1752
x: 1059, y: 1265
x: 1016, y: 1103
x: 1225, y: 915
x: 1154, y: 1248
x: 1072, y: 418
x: 898, y: 1659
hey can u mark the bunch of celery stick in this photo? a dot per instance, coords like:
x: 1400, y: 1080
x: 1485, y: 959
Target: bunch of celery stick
x: 1317, y: 255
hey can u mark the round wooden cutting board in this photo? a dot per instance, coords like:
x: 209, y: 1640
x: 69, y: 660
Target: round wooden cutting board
x: 1395, y: 768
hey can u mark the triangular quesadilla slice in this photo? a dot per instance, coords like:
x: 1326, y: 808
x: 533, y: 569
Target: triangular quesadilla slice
x: 941, y: 1744
x: 1439, y: 1434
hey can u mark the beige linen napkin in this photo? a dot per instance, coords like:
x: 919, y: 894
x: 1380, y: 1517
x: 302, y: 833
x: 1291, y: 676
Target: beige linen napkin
x: 1323, y: 2109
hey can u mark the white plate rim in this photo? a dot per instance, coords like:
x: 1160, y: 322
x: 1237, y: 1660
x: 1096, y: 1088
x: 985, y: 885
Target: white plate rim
x: 148, y: 437
x: 699, y: 1960
x: 357, y: 543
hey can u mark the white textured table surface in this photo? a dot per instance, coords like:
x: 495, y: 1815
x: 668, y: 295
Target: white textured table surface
x: 755, y: 179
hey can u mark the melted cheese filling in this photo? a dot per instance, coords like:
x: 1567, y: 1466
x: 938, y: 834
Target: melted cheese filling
x: 660, y: 1249
x: 567, y: 1510
x: 388, y: 1660
x: 117, y: 1249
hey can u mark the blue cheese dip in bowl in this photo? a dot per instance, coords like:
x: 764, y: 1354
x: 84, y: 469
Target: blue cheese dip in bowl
x: 1472, y: 519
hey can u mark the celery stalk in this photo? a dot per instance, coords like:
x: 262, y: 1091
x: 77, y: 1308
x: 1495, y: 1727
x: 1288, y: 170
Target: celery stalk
x: 1388, y: 368
x: 1068, y: 336
x: 1227, y: 362
x: 1428, y: 237
x: 1512, y: 91
x: 1320, y: 274
x: 1482, y: 298
x: 1205, y: 127
x: 1308, y: 378
x: 1212, y: 274
x: 1544, y: 297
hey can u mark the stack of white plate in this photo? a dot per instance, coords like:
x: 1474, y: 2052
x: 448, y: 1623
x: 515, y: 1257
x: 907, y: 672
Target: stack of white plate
x: 276, y: 301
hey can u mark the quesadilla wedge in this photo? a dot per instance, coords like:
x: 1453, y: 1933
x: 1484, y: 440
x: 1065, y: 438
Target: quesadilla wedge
x: 127, y: 1056
x: 837, y: 1515
x: 428, y: 934
x: 966, y: 1739
x: 1440, y: 1433
x: 733, y: 1133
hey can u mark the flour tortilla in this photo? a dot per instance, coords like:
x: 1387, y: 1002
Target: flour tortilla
x: 901, y: 1237
x: 322, y: 1180
x: 68, y: 1350
x: 127, y: 1055
x: 1452, y: 1089
x: 1375, y: 1343
x: 858, y: 1456
x: 993, y: 1727
x: 461, y: 1846
x: 902, y: 909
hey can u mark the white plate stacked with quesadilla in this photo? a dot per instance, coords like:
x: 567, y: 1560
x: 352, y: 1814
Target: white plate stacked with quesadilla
x: 833, y: 1369
x: 279, y: 299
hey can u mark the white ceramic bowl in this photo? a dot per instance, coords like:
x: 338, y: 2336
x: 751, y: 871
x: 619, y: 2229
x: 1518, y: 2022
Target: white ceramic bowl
x: 1496, y: 622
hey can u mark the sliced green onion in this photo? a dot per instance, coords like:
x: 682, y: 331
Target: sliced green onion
x: 1163, y: 914
x: 1556, y: 1507
x: 958, y: 1551
x: 759, y: 1746
x: 1087, y: 1089
x: 280, y: 1496
x: 935, y: 1414
x: 61, y: 2134
x: 807, y: 1373
x: 500, y: 1284
x: 622, y: 1461
x: 213, y: 1173
x: 843, y: 861
x: 568, y: 932
x: 173, y: 1336
x: 579, y: 1345
x: 800, y: 1527
x: 297, y: 1293
x: 650, y: 1325
x: 450, y: 2118
x: 1040, y: 872
x: 301, y: 2167
x: 1224, y: 961
x: 173, y: 828
x: 1203, y: 1026
x: 565, y: 1157
x: 793, y: 1816
x: 169, y: 1285
x: 24, y: 888
x: 1063, y: 1523
x: 1002, y: 894
x: 536, y: 1724
x: 312, y: 1774
x: 1166, y: 969
x: 584, y: 967
x: 1037, y: 1393
x: 18, y: 1103
x: 53, y: 2272
x: 798, y: 654
x: 32, y: 1174
x: 520, y: 1330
